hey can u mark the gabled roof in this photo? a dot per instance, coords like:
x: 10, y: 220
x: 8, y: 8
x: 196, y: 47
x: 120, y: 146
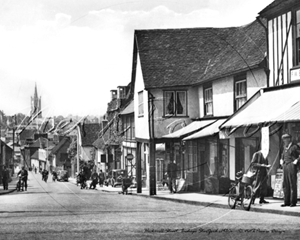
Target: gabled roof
x: 40, y: 143
x: 180, y: 57
x: 56, y: 148
x: 89, y: 133
x: 278, y: 6
x: 128, y: 109
x: 27, y: 134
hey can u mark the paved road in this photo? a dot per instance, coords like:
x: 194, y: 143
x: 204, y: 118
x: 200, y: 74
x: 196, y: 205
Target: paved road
x: 61, y: 210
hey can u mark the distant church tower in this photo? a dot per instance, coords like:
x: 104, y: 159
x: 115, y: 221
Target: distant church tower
x: 36, y: 103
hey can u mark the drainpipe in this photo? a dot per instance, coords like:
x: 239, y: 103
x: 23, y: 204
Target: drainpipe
x: 152, y: 172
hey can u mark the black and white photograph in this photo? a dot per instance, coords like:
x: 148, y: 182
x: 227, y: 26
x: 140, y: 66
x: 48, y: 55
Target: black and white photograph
x: 149, y: 119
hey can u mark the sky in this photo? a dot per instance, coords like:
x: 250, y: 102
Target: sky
x: 76, y: 51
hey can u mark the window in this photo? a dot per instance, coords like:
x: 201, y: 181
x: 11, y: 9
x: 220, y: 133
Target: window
x: 208, y: 100
x: 240, y: 93
x: 297, y: 35
x: 141, y: 104
x: 175, y: 103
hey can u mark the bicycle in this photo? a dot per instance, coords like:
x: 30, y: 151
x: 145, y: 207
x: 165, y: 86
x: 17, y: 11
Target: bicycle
x: 241, y: 192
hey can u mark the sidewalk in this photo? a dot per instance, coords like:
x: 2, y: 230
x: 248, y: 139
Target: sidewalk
x: 11, y: 186
x: 208, y: 200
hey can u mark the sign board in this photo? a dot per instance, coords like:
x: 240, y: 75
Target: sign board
x: 278, y: 191
x: 295, y: 74
x: 129, y: 157
x: 265, y: 141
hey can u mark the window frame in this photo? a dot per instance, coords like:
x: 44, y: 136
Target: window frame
x: 185, y: 106
x: 205, y: 88
x: 239, y: 79
x: 296, y: 40
x: 141, y: 104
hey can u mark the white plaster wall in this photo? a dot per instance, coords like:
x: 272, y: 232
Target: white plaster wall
x: 256, y: 79
x: 223, y: 92
x: 201, y: 106
x: 141, y: 123
x: 223, y: 101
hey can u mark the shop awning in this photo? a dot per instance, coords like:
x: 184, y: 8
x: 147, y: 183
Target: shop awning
x: 272, y: 106
x: 191, y: 128
x: 207, y: 131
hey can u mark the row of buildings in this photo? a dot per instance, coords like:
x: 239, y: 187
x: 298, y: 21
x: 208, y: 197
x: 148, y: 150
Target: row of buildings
x: 207, y: 98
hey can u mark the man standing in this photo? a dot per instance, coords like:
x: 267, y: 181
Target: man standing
x: 101, y: 178
x: 24, y: 175
x: 94, y: 179
x: 260, y: 165
x: 172, y: 174
x: 289, y: 161
x: 5, y: 177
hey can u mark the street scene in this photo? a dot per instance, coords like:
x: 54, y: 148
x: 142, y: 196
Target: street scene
x: 150, y: 120
x: 62, y: 210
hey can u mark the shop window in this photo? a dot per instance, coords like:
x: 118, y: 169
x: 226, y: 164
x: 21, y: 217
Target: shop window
x: 141, y: 104
x: 175, y: 103
x: 245, y: 148
x: 297, y: 37
x: 208, y: 100
x: 240, y: 93
x: 213, y: 154
x: 224, y: 158
x: 191, y: 148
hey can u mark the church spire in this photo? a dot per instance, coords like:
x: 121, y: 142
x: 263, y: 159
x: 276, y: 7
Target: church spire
x: 35, y: 93
x: 36, y: 102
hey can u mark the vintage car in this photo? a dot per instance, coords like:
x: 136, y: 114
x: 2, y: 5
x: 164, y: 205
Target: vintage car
x: 115, y: 177
x: 62, y: 175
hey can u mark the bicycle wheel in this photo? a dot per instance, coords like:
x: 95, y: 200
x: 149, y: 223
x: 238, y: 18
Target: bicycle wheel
x: 232, y: 197
x: 247, y: 198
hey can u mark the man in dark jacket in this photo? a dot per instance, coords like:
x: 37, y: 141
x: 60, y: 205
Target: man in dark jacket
x: 5, y: 178
x: 260, y: 166
x: 94, y: 178
x: 172, y: 174
x: 24, y: 175
x: 289, y: 161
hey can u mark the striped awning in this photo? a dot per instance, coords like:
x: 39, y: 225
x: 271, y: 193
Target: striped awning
x: 189, y: 129
x: 278, y: 105
x: 207, y: 131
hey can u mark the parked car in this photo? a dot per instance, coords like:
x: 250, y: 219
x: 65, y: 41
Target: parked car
x: 115, y: 177
x: 62, y: 175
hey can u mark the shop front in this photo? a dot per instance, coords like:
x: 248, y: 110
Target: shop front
x: 207, y: 160
x: 259, y: 125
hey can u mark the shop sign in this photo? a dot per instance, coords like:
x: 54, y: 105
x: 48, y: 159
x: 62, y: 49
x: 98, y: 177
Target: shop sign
x: 129, y: 157
x: 265, y: 141
x: 295, y: 74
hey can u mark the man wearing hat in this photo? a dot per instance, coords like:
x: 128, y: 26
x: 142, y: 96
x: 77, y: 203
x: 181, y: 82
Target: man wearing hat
x: 289, y: 161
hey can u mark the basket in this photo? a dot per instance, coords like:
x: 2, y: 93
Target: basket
x: 247, y: 180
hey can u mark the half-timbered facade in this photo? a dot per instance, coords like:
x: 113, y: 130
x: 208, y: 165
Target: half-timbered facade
x: 283, y: 29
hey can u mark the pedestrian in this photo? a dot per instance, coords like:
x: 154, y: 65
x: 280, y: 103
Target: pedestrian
x: 5, y: 178
x: 260, y: 166
x: 45, y: 174
x: 289, y: 161
x: 101, y: 178
x: 94, y: 178
x: 35, y: 170
x: 24, y: 175
x: 172, y: 175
